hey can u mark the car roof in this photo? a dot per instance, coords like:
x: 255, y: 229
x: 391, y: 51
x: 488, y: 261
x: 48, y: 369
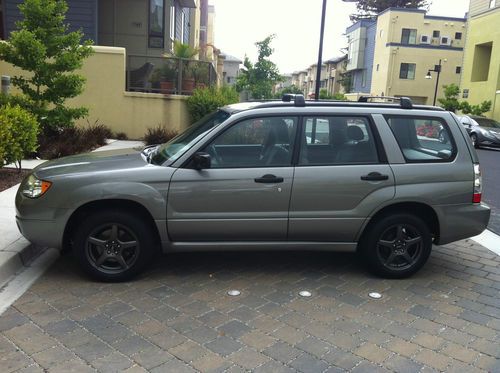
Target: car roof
x: 293, y: 101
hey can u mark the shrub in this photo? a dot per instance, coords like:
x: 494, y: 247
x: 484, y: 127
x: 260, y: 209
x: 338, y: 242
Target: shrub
x: 158, y: 135
x: 206, y: 100
x: 121, y: 136
x: 72, y: 140
x: 18, y: 132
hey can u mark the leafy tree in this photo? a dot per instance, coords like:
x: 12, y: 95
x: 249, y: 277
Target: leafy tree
x: 260, y: 78
x: 369, y: 8
x: 43, y: 47
x: 18, y: 134
x: 451, y: 103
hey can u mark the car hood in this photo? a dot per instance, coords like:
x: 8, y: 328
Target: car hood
x: 495, y: 130
x: 100, y: 161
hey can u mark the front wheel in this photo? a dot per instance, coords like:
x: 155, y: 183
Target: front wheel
x: 113, y: 246
x: 396, y: 246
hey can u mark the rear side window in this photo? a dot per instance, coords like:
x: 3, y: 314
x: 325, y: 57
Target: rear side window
x: 337, y: 141
x: 423, y: 139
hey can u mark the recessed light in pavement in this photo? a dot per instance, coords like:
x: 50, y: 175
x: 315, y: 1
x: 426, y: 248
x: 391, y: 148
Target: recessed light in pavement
x: 375, y: 295
x: 233, y: 293
x: 305, y: 293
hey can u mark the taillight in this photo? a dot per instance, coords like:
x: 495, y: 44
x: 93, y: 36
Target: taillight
x: 478, y: 184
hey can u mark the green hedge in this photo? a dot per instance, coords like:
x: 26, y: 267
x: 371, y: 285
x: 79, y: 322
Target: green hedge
x: 206, y: 100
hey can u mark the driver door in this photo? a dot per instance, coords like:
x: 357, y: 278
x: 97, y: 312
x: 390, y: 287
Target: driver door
x: 245, y: 194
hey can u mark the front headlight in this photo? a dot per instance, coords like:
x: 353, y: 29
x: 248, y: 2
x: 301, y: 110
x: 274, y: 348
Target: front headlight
x: 34, y: 188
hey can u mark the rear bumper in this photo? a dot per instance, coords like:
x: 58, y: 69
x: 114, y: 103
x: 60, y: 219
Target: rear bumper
x: 458, y: 222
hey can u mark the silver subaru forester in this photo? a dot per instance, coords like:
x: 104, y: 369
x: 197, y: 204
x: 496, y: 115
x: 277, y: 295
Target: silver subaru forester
x: 370, y: 176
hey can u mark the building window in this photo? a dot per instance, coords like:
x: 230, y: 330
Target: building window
x: 436, y: 34
x: 363, y: 79
x: 183, y: 25
x: 172, y: 21
x: 409, y: 36
x: 493, y: 3
x: 481, y: 62
x: 156, y: 23
x: 458, y: 70
x: 458, y: 35
x: 407, y: 71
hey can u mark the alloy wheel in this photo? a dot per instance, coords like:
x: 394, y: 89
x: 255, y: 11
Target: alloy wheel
x: 399, y: 247
x: 112, y: 248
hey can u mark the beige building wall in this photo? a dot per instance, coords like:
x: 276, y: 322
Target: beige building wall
x: 110, y: 104
x: 390, y: 53
x: 481, y: 73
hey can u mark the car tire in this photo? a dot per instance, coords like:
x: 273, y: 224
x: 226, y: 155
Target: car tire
x: 473, y: 138
x: 396, y: 246
x: 114, y: 246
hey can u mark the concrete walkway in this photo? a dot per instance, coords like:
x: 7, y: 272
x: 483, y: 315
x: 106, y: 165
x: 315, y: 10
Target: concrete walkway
x: 16, y: 252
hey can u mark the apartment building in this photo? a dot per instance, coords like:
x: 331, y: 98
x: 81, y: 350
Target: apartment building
x: 335, y: 67
x: 481, y: 73
x: 408, y: 44
x: 361, y: 49
x: 299, y: 80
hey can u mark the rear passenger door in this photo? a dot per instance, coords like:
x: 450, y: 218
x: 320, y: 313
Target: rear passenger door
x: 340, y: 177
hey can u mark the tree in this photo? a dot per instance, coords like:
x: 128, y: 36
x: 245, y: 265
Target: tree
x: 451, y: 103
x: 260, y: 78
x: 323, y: 95
x: 43, y: 47
x: 369, y: 8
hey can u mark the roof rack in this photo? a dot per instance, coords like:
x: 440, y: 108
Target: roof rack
x: 405, y: 102
x: 298, y: 100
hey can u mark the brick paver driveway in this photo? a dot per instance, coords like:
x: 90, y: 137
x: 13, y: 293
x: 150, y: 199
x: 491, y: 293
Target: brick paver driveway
x: 178, y: 317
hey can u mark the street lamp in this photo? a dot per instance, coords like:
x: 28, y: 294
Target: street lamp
x: 437, y: 69
x: 320, y: 53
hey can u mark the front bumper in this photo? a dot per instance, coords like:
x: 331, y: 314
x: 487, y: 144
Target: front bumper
x: 458, y: 222
x: 46, y: 233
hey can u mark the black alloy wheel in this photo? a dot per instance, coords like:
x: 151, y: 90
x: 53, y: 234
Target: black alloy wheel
x: 114, y: 245
x: 396, y: 245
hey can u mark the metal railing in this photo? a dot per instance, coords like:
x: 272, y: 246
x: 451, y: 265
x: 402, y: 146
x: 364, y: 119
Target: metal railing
x: 168, y: 75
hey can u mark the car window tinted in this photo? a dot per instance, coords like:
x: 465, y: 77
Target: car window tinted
x: 486, y: 122
x: 337, y: 140
x: 257, y: 142
x: 422, y: 139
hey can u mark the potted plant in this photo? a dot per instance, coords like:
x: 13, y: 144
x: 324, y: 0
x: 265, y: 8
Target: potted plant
x: 186, y: 52
x: 165, y: 76
x: 200, y: 74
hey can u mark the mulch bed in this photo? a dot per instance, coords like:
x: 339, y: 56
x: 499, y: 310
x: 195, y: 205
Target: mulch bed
x: 10, y: 177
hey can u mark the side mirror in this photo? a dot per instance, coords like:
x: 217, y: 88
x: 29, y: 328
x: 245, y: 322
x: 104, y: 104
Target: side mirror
x: 201, y: 160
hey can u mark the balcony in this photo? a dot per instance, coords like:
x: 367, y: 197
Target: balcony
x: 168, y: 75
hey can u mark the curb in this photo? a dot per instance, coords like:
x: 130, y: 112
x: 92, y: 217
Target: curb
x: 16, y: 257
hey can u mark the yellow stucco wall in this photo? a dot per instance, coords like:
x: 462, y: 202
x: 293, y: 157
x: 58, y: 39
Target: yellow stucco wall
x: 388, y: 59
x: 110, y: 104
x: 483, y: 29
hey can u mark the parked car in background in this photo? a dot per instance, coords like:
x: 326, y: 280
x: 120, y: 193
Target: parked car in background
x: 482, y: 131
x: 362, y: 177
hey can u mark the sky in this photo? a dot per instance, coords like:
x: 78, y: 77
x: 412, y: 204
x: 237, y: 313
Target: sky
x: 296, y: 24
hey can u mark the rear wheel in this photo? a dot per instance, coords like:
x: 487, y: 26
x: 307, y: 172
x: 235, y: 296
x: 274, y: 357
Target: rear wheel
x: 473, y: 138
x: 396, y: 246
x: 114, y: 245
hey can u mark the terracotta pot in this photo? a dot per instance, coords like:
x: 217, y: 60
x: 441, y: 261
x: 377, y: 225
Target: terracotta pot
x: 167, y: 86
x: 201, y: 85
x: 187, y: 85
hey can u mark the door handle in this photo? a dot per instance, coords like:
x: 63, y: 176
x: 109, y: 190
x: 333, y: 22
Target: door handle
x: 269, y: 179
x: 375, y: 176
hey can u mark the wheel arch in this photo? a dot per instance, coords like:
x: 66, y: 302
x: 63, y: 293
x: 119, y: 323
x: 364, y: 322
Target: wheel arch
x: 422, y: 210
x: 116, y: 204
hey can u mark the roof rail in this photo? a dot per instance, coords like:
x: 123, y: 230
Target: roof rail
x: 405, y: 102
x: 298, y: 100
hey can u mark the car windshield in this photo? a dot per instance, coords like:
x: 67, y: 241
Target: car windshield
x: 173, y: 149
x: 486, y: 122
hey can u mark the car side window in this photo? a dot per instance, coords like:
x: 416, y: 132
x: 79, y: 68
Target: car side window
x: 337, y: 140
x: 423, y: 139
x: 256, y: 142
